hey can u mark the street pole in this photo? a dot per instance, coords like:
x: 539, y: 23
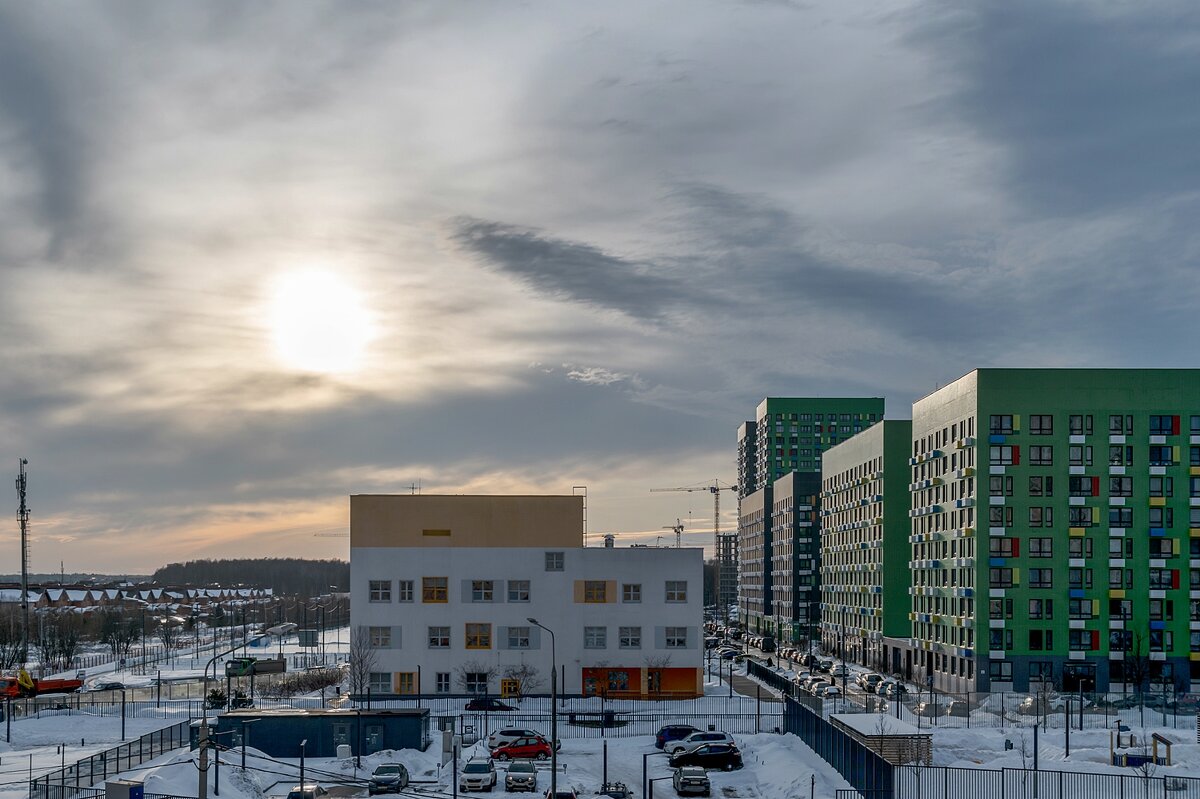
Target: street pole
x: 202, y: 739
x: 303, y: 744
x: 553, y: 709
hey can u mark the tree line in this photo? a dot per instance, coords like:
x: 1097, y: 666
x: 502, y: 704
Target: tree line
x: 286, y: 576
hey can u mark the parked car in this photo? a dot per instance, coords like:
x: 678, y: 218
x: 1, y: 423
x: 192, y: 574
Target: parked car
x: 839, y: 670
x: 310, y: 790
x: 479, y: 774
x: 697, y: 739
x: 830, y: 692
x: 730, y: 654
x: 869, y: 681
x: 808, y: 660
x: 509, y: 734
x: 487, y: 704
x: 523, y: 749
x: 615, y: 790
x: 825, y: 665
x: 520, y: 776
x: 722, y: 756
x: 928, y: 709
x: 767, y: 644
x: 672, y: 732
x: 818, y: 684
x: 107, y: 686
x: 388, y: 778
x: 565, y: 793
x: 958, y: 708
x: 691, y: 780
x: 895, y: 690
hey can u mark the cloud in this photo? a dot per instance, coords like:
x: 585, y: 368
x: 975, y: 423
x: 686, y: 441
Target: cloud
x: 597, y: 375
x: 569, y: 270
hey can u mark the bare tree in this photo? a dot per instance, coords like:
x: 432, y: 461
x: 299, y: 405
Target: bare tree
x: 10, y: 639
x: 58, y: 640
x: 468, y: 676
x: 119, y: 632
x: 362, y: 660
x: 658, y: 661
x: 1137, y: 661
x: 170, y: 633
x: 527, y: 677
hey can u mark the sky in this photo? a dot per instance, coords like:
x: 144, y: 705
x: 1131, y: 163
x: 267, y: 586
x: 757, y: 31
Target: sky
x: 258, y: 257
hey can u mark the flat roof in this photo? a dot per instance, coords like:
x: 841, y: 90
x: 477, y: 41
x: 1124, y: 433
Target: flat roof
x: 876, y: 724
x: 327, y: 711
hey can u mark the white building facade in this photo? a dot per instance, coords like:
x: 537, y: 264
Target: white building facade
x: 443, y: 587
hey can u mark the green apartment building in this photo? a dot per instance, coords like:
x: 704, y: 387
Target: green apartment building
x: 1055, y: 530
x: 778, y: 589
x: 865, y: 548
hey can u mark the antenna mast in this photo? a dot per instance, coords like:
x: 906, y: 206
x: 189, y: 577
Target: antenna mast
x: 23, y: 519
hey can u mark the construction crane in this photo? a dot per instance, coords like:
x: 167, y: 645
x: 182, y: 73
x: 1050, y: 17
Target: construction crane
x: 678, y: 528
x: 716, y: 487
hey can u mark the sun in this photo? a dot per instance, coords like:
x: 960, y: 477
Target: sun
x: 318, y: 322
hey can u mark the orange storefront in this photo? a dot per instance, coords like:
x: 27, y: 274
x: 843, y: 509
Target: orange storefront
x: 642, y: 683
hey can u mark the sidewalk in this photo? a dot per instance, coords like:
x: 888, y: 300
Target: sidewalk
x: 751, y: 688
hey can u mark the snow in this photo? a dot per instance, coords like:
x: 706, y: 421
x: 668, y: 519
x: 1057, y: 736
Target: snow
x: 877, y: 724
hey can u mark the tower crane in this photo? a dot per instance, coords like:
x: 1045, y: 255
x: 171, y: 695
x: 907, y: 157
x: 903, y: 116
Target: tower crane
x: 715, y: 488
x: 678, y: 528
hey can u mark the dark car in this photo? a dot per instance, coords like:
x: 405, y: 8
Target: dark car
x: 691, y: 780
x: 615, y: 790
x: 485, y: 704
x: 673, y: 732
x: 722, y: 756
x: 388, y: 778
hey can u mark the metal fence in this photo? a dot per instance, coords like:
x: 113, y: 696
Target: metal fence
x: 939, y: 782
x: 64, y: 783
x: 860, y: 767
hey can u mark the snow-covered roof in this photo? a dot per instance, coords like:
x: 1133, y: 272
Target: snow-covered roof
x: 876, y: 724
x: 14, y: 595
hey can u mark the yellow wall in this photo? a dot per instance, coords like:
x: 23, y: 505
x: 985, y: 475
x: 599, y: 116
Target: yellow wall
x: 422, y: 520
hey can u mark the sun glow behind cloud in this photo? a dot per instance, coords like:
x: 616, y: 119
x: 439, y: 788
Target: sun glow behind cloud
x: 318, y: 322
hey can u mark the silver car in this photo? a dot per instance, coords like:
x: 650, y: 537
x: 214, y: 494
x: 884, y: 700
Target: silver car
x: 479, y: 774
x: 521, y: 776
x: 695, y: 740
x: 691, y: 780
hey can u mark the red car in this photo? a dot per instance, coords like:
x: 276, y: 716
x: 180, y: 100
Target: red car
x: 523, y: 749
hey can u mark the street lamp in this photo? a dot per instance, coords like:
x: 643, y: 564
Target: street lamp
x: 553, y: 709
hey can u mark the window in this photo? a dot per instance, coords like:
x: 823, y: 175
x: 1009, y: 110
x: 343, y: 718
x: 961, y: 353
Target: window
x: 405, y: 591
x: 595, y: 637
x: 482, y: 590
x: 1000, y: 578
x: 1000, y: 425
x: 1162, y: 456
x: 1079, y: 640
x: 1120, y: 609
x: 1120, y: 486
x: 1041, y: 547
x: 1195, y: 426
x: 1041, y: 425
x: 1039, y: 517
x: 479, y: 636
x: 1120, y: 578
x: 1041, y: 578
x: 1035, y: 640
x: 439, y: 637
x: 406, y: 682
x: 1121, y: 547
x: 381, y: 590
x: 1041, y: 486
x: 1000, y: 486
x: 1194, y: 517
x: 1162, y: 517
x: 1161, y: 578
x: 1079, y: 578
x: 595, y: 591
x: 442, y: 682
x: 1000, y: 639
x: 1081, y: 425
x: 676, y: 637
x: 379, y: 682
x: 381, y: 637
x: 1000, y: 670
x: 1162, y: 548
x: 1120, y: 517
x: 1079, y: 455
x: 1161, y: 640
x: 1041, y: 608
x: 1118, y: 425
x: 518, y: 590
x: 1120, y: 641
x: 1120, y: 455
x: 435, y: 589
x: 631, y: 592
x: 1194, y: 456
x: 1000, y: 608
x: 677, y: 590
x: 1162, y: 425
x: 1162, y: 609
x: 1194, y: 486
x: 1081, y: 486
x: 1041, y: 456
x: 1002, y: 456
x: 476, y: 682
x: 1162, y: 486
x: 630, y: 637
x: 1000, y: 547
x: 1000, y: 516
x: 554, y: 561
x: 1081, y: 547
x: 1080, y: 517
x: 518, y: 637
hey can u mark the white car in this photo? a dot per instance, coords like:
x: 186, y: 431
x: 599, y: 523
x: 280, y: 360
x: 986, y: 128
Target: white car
x: 695, y: 740
x: 839, y: 671
x: 830, y: 692
x: 510, y: 734
x: 479, y: 774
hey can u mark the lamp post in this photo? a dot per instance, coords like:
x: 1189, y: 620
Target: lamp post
x: 553, y: 709
x: 645, y: 757
x: 303, y: 744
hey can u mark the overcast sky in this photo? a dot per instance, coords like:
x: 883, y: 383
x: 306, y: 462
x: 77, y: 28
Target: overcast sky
x: 256, y: 257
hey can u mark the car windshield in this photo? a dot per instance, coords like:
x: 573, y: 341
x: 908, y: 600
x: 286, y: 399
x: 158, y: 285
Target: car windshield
x: 387, y: 770
x: 521, y: 768
x: 476, y: 768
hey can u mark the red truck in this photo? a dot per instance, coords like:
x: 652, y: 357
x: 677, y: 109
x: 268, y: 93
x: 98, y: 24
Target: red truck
x: 23, y: 685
